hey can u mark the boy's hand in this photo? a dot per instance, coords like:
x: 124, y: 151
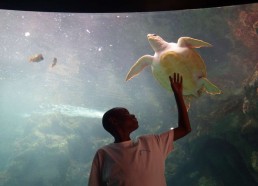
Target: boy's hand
x: 176, y: 84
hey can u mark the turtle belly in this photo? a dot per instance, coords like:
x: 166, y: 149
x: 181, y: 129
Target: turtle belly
x: 170, y: 63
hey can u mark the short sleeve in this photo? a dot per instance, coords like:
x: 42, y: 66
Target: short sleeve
x: 166, y: 142
x: 95, y: 175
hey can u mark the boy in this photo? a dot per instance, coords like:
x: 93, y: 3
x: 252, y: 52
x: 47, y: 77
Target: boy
x: 142, y: 162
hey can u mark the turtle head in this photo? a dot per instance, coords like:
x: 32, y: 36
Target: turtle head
x: 156, y: 42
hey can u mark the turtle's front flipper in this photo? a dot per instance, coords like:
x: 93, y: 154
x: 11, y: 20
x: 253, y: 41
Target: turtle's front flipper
x: 210, y: 87
x: 143, y: 62
x: 192, y: 43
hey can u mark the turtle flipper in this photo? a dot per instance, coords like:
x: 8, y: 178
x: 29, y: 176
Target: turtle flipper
x: 192, y: 43
x: 210, y: 88
x: 143, y: 62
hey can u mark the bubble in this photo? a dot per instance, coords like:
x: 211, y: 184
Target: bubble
x: 27, y: 34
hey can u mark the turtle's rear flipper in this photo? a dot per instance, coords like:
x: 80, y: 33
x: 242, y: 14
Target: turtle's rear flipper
x: 210, y: 88
x: 187, y: 100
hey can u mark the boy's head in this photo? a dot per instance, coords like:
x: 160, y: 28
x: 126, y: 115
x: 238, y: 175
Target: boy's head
x: 119, y: 119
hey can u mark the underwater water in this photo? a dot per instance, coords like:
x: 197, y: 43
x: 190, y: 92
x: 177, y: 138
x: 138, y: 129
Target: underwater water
x: 51, y: 108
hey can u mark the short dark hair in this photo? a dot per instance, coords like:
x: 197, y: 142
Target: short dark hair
x: 106, y: 119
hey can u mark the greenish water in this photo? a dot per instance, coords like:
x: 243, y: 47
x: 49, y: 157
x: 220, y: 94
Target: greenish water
x: 50, y: 116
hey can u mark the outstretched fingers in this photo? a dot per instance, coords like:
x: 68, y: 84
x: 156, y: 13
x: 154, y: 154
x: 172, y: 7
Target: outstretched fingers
x: 170, y: 79
x: 176, y: 78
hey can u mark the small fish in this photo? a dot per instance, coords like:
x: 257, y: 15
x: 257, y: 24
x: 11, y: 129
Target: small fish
x: 54, y: 62
x: 36, y: 58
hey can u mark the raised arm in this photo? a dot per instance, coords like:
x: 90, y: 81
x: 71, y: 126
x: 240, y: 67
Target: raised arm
x: 184, y: 126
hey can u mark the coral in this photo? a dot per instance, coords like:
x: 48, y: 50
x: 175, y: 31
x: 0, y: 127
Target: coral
x: 254, y: 160
x: 207, y: 181
x: 245, y: 27
x: 250, y: 107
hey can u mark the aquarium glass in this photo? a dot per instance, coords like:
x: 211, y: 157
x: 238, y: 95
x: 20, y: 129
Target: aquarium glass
x: 59, y: 72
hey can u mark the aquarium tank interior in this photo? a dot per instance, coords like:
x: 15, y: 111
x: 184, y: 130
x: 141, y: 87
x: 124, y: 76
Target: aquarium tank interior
x: 60, y: 71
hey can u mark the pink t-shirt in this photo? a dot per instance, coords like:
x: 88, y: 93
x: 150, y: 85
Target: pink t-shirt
x: 132, y: 163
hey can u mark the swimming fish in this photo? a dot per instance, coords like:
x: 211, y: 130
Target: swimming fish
x: 54, y: 62
x: 36, y: 58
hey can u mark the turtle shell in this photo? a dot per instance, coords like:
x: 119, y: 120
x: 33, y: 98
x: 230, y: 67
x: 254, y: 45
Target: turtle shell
x: 187, y: 63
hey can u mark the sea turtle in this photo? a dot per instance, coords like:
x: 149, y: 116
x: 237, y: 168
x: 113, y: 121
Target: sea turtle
x: 180, y: 57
